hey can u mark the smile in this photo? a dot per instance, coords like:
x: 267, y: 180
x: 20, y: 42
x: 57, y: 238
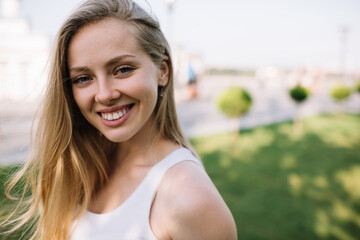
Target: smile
x: 112, y: 116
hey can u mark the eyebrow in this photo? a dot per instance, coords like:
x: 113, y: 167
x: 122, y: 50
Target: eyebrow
x: 118, y: 59
x: 107, y: 64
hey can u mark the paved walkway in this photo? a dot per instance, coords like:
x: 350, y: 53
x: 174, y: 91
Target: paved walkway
x: 198, y: 117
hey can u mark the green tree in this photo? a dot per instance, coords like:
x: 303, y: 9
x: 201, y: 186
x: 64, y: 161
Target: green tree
x: 235, y: 102
x: 357, y: 87
x: 299, y: 94
x: 340, y: 94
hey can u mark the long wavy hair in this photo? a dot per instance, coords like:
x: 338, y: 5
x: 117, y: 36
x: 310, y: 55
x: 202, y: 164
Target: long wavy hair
x: 69, y: 158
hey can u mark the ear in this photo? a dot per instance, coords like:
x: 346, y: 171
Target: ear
x: 164, y: 72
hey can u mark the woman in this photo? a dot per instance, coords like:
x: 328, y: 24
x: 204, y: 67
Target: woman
x: 110, y: 159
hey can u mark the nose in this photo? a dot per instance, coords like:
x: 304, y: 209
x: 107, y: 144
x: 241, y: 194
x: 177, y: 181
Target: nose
x: 106, y: 91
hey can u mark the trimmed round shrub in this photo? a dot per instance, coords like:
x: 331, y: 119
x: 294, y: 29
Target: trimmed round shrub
x: 234, y: 102
x: 299, y: 93
x: 340, y: 93
x: 357, y: 87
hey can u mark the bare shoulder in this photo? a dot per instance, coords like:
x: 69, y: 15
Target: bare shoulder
x: 190, y: 207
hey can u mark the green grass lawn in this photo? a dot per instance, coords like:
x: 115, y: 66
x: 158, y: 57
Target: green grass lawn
x: 6, y: 206
x: 285, y: 187
x: 280, y: 186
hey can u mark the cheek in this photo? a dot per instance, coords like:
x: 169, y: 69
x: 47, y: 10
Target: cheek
x: 151, y: 93
x: 146, y: 88
x: 81, y: 99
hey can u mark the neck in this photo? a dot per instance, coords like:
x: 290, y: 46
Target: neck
x: 145, y: 154
x: 145, y: 148
x: 136, y: 151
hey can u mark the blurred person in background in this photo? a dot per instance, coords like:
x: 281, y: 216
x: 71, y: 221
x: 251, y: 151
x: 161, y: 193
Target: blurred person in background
x: 110, y: 159
x: 192, y: 81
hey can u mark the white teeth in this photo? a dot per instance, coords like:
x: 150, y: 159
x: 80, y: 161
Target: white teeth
x: 114, y: 116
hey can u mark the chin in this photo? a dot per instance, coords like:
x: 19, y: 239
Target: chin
x: 117, y: 138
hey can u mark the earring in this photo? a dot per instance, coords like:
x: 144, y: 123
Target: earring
x: 162, y: 90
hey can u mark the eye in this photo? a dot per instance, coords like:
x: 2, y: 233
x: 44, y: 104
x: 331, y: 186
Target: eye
x: 123, y: 70
x: 81, y: 79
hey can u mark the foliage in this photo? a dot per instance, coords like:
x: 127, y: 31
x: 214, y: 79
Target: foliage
x: 284, y: 187
x: 357, y: 87
x: 234, y: 102
x: 340, y: 93
x: 299, y: 93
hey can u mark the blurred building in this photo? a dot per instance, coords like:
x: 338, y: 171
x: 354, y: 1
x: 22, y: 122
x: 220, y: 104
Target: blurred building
x: 23, y: 55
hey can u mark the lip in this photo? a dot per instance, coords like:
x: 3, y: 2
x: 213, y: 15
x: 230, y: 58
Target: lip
x: 118, y: 122
x: 113, y: 109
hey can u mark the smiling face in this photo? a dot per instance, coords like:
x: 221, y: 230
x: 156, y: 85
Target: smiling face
x: 114, y: 83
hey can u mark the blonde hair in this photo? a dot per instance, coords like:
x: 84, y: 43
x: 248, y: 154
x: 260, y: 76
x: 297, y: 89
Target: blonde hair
x: 67, y: 162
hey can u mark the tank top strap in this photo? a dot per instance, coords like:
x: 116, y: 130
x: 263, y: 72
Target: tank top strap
x: 155, y: 175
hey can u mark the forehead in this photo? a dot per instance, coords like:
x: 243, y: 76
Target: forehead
x: 103, y: 39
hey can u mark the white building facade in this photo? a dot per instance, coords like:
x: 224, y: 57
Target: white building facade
x: 23, y: 56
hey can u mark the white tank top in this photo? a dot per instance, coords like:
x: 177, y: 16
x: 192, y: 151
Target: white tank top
x: 130, y: 221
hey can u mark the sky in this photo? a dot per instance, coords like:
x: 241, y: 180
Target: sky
x: 243, y: 33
